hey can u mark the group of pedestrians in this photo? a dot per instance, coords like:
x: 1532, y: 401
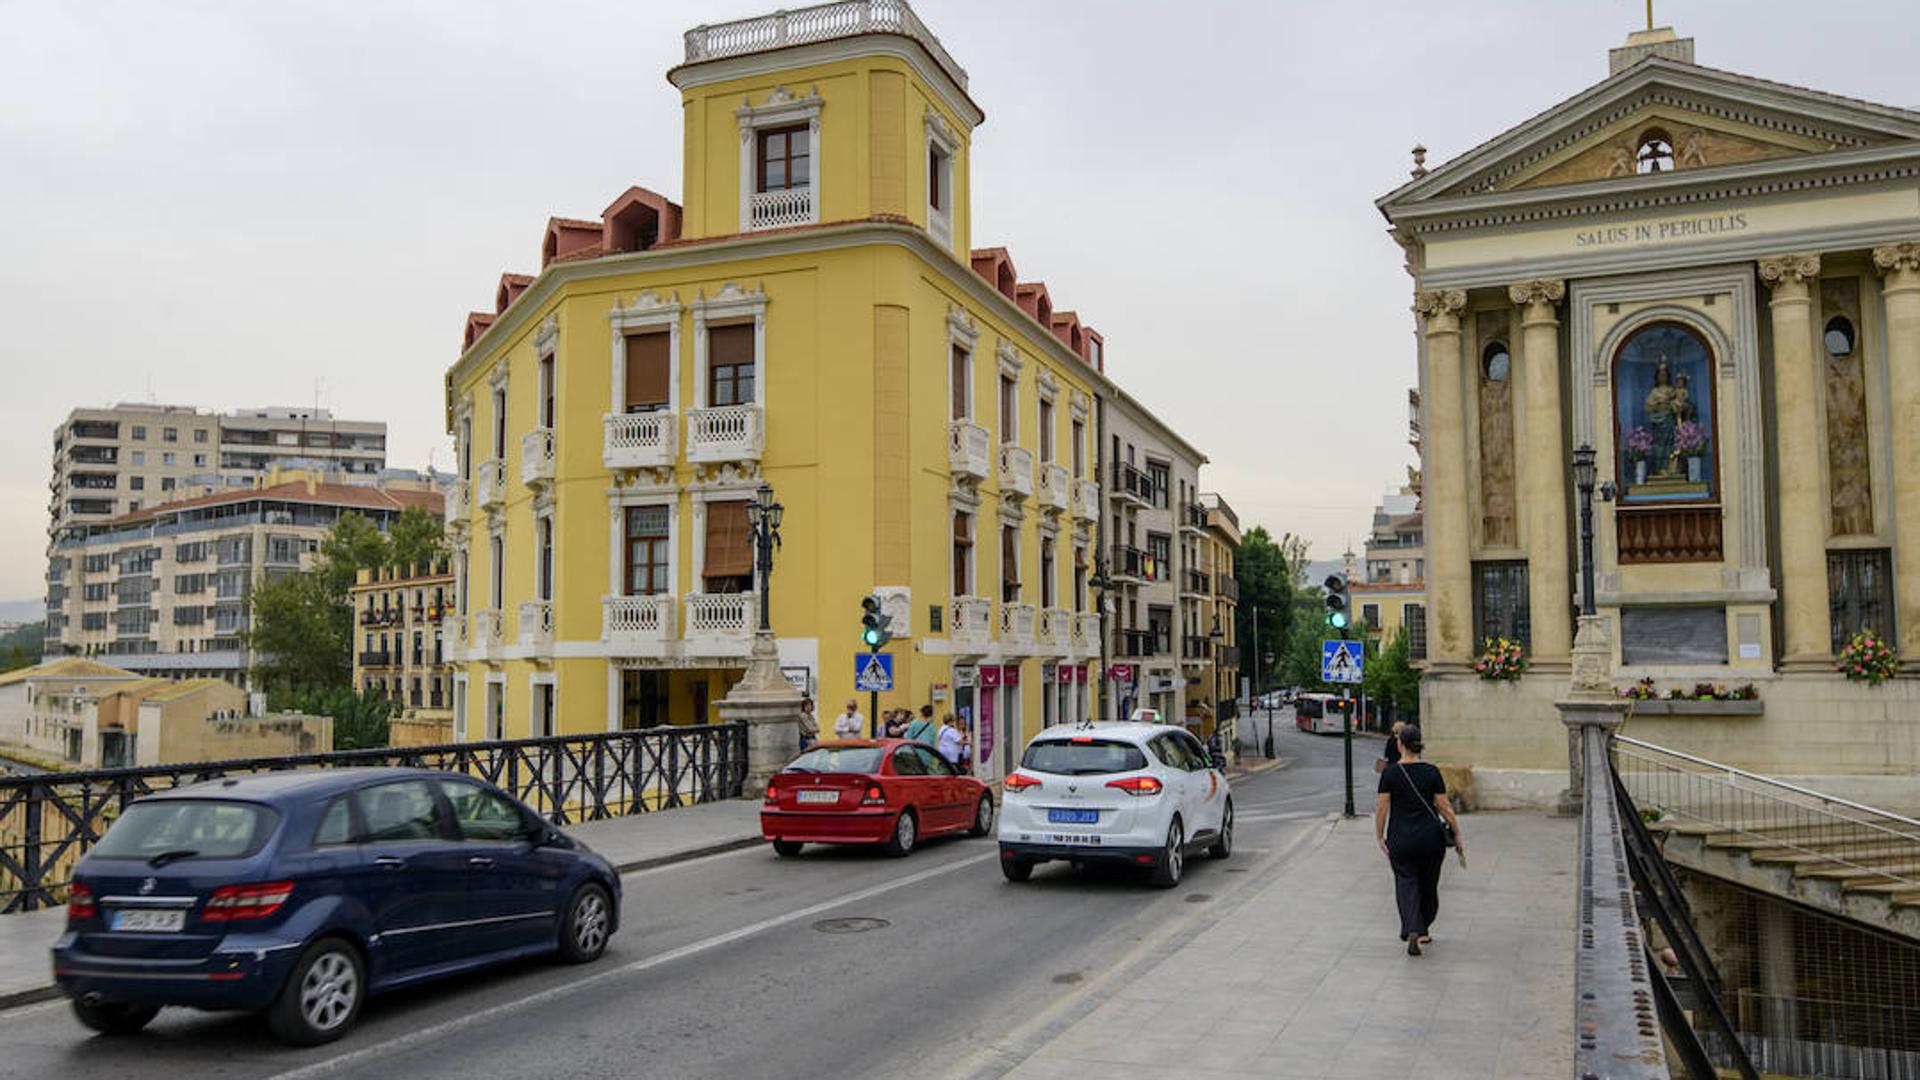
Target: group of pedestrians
x: 948, y: 737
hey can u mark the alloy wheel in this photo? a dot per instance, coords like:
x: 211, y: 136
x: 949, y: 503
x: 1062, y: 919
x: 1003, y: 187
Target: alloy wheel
x: 904, y: 832
x: 1176, y: 852
x: 590, y: 922
x: 329, y: 991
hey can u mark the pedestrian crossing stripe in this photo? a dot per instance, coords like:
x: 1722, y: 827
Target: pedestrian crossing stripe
x: 875, y: 674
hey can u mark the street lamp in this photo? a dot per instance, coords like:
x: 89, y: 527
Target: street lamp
x: 1269, y: 659
x: 1101, y: 585
x: 1216, y: 637
x: 1583, y: 480
x: 763, y: 518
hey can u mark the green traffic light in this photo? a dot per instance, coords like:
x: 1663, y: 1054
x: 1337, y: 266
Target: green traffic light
x: 1337, y: 620
x: 870, y: 636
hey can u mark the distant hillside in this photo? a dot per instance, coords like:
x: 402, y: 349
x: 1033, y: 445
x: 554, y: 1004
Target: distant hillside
x: 22, y: 647
x: 22, y: 611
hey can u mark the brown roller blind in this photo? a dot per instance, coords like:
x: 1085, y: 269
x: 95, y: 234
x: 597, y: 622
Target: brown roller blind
x: 962, y: 529
x: 647, y: 368
x: 730, y: 344
x: 729, y: 550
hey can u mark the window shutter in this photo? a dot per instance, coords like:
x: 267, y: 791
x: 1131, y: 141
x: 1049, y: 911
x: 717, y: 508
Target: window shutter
x: 730, y: 345
x: 729, y: 551
x: 648, y: 366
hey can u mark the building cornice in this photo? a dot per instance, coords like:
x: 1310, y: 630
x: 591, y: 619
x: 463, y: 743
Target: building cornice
x: 790, y: 59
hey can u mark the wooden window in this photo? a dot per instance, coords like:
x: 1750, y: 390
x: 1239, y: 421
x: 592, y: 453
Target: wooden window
x: 728, y: 566
x: 960, y: 380
x: 1009, y: 410
x: 646, y: 550
x: 1157, y: 476
x: 648, y: 370
x: 730, y: 365
x: 1046, y: 572
x: 1079, y: 449
x: 1860, y: 594
x: 496, y: 587
x: 546, y: 392
x: 543, y: 536
x: 499, y: 423
x: 962, y: 553
x: 936, y: 178
x: 1079, y: 579
x: 1046, y: 431
x: 785, y: 159
x: 1009, y: 564
x: 1500, y: 602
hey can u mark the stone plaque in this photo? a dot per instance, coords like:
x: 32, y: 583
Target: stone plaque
x: 1673, y: 635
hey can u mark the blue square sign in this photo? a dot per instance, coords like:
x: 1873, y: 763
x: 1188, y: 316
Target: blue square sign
x: 872, y: 672
x: 1342, y: 661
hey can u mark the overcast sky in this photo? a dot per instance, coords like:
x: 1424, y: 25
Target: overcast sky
x: 244, y: 203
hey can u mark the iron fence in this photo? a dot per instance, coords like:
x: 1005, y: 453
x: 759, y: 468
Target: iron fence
x: 48, y: 820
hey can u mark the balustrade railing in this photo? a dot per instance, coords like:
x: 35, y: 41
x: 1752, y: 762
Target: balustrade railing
x: 1086, y: 500
x: 536, y: 625
x: 781, y: 208
x: 1016, y: 625
x: 970, y: 620
x: 456, y: 507
x: 820, y: 22
x: 1016, y: 471
x: 1055, y: 487
x: 721, y: 614
x: 488, y: 629
x: 490, y: 483
x: 1086, y: 631
x: 724, y: 433
x: 967, y: 449
x: 636, y: 625
x: 1056, y: 628
x: 644, y: 440
x: 48, y: 820
x: 536, y: 457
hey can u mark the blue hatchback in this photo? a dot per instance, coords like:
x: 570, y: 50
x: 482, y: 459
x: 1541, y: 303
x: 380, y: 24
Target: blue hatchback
x: 300, y: 893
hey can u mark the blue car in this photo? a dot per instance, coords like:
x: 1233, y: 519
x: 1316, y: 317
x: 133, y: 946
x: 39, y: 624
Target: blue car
x: 300, y: 893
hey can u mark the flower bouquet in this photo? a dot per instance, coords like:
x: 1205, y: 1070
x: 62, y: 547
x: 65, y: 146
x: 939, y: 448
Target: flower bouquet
x: 1502, y: 660
x: 1867, y: 658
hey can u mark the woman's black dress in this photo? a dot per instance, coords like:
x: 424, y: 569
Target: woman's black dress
x: 1416, y: 844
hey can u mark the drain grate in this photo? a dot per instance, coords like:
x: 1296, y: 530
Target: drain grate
x: 852, y: 925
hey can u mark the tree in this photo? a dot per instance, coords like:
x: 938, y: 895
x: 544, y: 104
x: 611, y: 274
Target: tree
x: 352, y: 545
x: 418, y: 540
x: 302, y: 624
x: 360, y: 718
x: 1294, y: 549
x: 1300, y: 664
x: 21, y: 648
x: 1391, y: 680
x: 1263, y: 617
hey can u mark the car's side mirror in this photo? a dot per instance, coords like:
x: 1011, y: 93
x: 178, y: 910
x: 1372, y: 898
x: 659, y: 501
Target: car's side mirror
x: 1219, y: 760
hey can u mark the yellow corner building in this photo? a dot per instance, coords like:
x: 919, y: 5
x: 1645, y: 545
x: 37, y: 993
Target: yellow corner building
x: 812, y: 318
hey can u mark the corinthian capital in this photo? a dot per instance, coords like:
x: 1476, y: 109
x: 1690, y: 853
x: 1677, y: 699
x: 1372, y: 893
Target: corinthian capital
x: 1537, y: 291
x: 1895, y: 257
x: 1778, y: 270
x: 1431, y: 303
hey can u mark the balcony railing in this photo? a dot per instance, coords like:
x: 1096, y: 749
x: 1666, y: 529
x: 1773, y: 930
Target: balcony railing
x: 726, y: 433
x: 1670, y: 534
x: 456, y: 638
x: 720, y: 615
x: 821, y: 22
x: 1193, y: 515
x: 645, y: 440
x: 1056, y: 629
x: 1016, y: 626
x: 970, y: 620
x: 1016, y: 472
x: 777, y: 209
x: 1086, y: 500
x: 456, y: 506
x: 1226, y: 587
x: 1056, y: 488
x: 375, y: 658
x: 536, y: 457
x: 488, y: 631
x: 1194, y: 582
x: 536, y: 626
x: 967, y: 450
x: 634, y: 626
x: 1131, y: 483
x: 1086, y: 632
x: 1133, y: 643
x: 490, y: 484
x: 1132, y: 563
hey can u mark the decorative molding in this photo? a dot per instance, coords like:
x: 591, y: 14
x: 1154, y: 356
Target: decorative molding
x: 648, y: 310
x: 941, y: 132
x: 1547, y: 291
x: 782, y: 108
x: 960, y: 324
x: 497, y: 376
x: 1791, y: 270
x: 546, y: 337
x: 1044, y: 382
x: 1431, y: 303
x: 730, y: 303
x: 897, y: 601
x: 1010, y: 360
x: 1892, y: 258
x: 1082, y: 405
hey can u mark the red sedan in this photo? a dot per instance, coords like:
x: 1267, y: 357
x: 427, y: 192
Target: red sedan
x: 889, y: 792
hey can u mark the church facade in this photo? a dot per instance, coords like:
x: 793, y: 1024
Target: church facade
x: 1712, y: 280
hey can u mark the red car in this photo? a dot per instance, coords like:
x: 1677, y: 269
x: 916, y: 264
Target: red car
x: 890, y: 792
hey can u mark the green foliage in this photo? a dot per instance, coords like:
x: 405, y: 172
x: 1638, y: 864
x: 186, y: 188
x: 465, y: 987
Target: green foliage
x: 22, y: 647
x: 352, y: 545
x: 302, y: 624
x: 1300, y: 664
x: 418, y: 540
x: 360, y: 719
x: 1391, y: 680
x: 1264, y: 615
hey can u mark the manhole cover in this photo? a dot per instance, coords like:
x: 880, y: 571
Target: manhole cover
x: 850, y: 925
x: 1068, y: 978
x: 1199, y: 898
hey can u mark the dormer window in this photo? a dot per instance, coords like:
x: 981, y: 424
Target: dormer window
x: 779, y: 161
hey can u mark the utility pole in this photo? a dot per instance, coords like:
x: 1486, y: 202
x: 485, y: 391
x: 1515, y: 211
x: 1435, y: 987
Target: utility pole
x: 1339, y: 617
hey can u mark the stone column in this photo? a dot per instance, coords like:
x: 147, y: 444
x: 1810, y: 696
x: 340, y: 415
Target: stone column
x: 1450, y: 643
x: 770, y: 706
x: 1544, y: 473
x: 1799, y: 459
x: 1901, y: 265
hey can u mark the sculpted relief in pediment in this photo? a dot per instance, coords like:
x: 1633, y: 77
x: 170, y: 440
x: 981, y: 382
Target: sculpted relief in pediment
x: 1652, y: 144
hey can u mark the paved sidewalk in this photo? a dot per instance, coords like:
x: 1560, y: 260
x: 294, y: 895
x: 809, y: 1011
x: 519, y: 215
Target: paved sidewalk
x: 1306, y: 979
x: 629, y: 843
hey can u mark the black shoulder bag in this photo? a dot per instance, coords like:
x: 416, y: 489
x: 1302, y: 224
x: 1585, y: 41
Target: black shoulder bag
x: 1446, y: 830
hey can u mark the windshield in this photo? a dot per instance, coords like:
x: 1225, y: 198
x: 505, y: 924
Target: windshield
x: 188, y: 829
x: 1091, y: 757
x: 856, y: 759
x: 1309, y: 707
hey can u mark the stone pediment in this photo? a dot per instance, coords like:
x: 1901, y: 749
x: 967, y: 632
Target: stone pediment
x: 1712, y: 121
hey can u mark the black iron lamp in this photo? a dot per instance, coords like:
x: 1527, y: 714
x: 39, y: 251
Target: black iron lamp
x: 1583, y: 481
x: 763, y: 519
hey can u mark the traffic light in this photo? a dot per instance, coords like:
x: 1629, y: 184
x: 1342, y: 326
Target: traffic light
x: 874, y: 623
x: 1339, y: 604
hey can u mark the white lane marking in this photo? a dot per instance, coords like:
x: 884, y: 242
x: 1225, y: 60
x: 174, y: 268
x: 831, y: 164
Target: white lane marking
x: 388, y: 1047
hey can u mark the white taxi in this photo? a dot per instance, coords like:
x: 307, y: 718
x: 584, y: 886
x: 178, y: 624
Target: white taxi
x: 1146, y: 795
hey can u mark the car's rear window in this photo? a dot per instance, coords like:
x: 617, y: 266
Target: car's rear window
x: 1092, y: 757
x: 860, y: 759
x: 189, y: 829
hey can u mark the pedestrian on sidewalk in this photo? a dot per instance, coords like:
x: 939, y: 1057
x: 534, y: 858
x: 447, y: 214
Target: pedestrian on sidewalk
x: 924, y: 729
x: 1415, y: 825
x: 953, y: 741
x: 850, y: 724
x: 897, y: 723
x: 809, y: 724
x: 1391, y: 752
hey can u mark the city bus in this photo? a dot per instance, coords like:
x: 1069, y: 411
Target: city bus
x: 1317, y: 713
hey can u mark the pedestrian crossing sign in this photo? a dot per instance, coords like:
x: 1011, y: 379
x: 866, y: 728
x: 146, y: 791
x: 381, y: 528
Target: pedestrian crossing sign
x: 1341, y: 661
x: 872, y: 672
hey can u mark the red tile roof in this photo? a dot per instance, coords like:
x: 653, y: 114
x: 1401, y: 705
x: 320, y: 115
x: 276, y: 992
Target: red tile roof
x: 352, y: 496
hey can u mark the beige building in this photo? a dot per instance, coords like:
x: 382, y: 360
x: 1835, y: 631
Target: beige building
x: 165, y: 590
x: 1714, y: 281
x: 1389, y: 592
x: 400, y: 649
x: 1209, y: 596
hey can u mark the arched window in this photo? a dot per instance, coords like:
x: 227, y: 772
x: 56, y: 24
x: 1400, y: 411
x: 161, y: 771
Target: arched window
x: 1839, y: 337
x: 1495, y: 362
x: 1664, y: 411
x: 1655, y: 153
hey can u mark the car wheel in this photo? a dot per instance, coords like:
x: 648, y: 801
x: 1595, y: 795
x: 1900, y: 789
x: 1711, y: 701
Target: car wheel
x: 1223, y: 844
x: 982, y: 817
x: 906, y: 833
x: 322, y: 995
x: 1017, y: 870
x: 787, y: 848
x: 589, y: 922
x: 114, y: 1017
x: 1173, y: 861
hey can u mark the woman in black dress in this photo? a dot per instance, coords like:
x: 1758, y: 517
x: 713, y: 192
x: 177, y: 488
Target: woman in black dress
x: 1407, y: 819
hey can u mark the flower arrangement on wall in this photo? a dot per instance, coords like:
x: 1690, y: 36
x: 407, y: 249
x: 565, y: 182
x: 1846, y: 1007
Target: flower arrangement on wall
x: 1645, y: 690
x: 1867, y: 658
x: 1502, y: 660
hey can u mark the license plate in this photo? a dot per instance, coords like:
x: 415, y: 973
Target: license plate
x: 817, y: 797
x: 1073, y: 817
x: 1074, y: 838
x: 151, y: 921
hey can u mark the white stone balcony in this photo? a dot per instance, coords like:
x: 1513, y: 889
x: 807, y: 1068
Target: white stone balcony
x: 490, y: 484
x: 455, y: 641
x: 970, y: 623
x: 1056, y: 630
x: 1086, y: 500
x: 536, y: 457
x: 967, y: 450
x: 1055, y: 487
x: 720, y: 624
x: 726, y: 433
x: 636, y: 626
x: 1086, y: 632
x: 642, y: 440
x: 820, y: 22
x: 457, y: 507
x: 1016, y: 627
x: 536, y: 627
x: 488, y: 633
x: 779, y: 209
x: 1016, y: 472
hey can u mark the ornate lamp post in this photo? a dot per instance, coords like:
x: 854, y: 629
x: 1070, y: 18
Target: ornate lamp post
x: 763, y: 699
x: 1215, y: 638
x: 1583, y: 481
x: 763, y: 518
x: 1102, y: 586
x: 1591, y: 702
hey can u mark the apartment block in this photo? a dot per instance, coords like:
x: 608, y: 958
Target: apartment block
x: 400, y: 648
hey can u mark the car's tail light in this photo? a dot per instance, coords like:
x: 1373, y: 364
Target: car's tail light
x: 80, y: 903
x: 1020, y: 782
x: 876, y: 796
x: 773, y: 794
x: 1136, y: 785
x: 233, y: 903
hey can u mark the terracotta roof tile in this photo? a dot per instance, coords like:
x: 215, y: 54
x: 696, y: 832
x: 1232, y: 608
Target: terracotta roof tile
x: 295, y: 491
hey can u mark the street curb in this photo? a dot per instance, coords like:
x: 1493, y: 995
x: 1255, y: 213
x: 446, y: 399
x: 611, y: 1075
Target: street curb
x: 1241, y: 772
x: 720, y: 848
x: 28, y: 997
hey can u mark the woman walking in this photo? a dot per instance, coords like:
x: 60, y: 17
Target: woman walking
x: 1414, y: 824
